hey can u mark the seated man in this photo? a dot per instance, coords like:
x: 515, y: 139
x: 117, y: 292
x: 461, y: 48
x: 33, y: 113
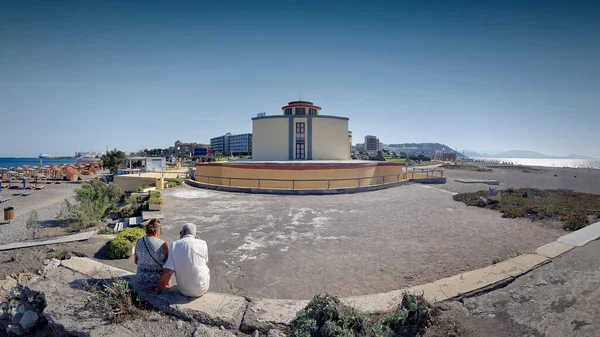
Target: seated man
x: 188, y: 257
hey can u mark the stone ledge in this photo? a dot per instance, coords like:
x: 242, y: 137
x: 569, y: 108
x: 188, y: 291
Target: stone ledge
x: 553, y: 249
x: 583, y: 236
x: 265, y: 314
x: 94, y: 269
x: 467, y: 283
x: 211, y: 308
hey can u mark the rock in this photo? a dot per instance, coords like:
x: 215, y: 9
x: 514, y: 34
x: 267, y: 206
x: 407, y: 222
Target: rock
x: 255, y: 333
x: 29, y: 319
x: 14, y: 292
x: 275, y: 333
x: 8, y: 284
x: 46, y: 262
x: 15, y: 329
x: 204, y: 331
x: 53, y: 263
x: 221, y: 328
x: 21, y: 309
x: 153, y: 317
x: 179, y: 324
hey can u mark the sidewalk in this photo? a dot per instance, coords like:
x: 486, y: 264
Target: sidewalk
x: 561, y: 298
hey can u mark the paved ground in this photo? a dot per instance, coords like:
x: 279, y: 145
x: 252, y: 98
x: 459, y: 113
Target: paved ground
x: 558, y: 299
x: 295, y: 246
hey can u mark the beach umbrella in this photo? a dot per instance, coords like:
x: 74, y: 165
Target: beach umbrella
x: 72, y: 174
x: 37, y: 176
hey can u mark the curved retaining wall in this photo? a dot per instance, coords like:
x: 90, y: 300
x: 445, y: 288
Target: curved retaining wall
x: 294, y: 192
x: 299, y: 175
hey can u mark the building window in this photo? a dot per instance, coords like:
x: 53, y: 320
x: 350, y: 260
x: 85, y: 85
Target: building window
x: 312, y: 111
x: 288, y: 111
x: 300, y: 111
x: 300, y: 151
x: 300, y: 127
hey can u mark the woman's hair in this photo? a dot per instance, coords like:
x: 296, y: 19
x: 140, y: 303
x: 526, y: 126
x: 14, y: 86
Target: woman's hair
x: 153, y: 227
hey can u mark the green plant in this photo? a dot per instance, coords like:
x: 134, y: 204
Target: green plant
x: 33, y: 223
x: 62, y: 255
x: 143, y: 187
x: 92, y: 202
x: 411, y: 318
x: 154, y: 194
x: 106, y: 231
x: 115, y: 301
x: 155, y: 201
x: 326, y: 316
x: 14, y: 257
x: 121, y: 246
x: 113, y: 160
x: 572, y: 208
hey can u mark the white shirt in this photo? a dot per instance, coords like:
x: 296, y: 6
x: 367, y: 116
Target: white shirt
x: 188, y: 257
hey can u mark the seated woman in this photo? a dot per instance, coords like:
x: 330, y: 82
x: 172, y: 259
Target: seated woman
x: 150, y: 254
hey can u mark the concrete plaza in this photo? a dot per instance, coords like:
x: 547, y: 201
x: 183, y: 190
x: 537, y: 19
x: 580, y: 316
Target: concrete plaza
x: 294, y: 246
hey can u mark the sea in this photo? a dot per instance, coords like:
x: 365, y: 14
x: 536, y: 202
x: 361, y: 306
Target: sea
x: 575, y: 163
x: 16, y: 162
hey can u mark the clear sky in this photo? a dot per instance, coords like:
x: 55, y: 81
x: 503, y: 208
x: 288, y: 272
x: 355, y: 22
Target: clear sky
x: 84, y: 75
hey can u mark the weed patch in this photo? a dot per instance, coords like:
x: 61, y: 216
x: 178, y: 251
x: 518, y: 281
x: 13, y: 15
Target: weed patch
x: 62, y: 255
x: 325, y: 316
x: 115, y: 301
x: 574, y: 209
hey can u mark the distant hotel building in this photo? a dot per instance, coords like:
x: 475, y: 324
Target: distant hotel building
x: 233, y: 144
x: 300, y: 133
x: 371, y: 144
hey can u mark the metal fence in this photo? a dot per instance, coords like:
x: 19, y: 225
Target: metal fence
x: 302, y: 183
x: 424, y: 173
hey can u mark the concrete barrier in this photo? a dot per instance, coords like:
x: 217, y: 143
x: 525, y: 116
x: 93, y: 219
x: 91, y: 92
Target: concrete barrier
x: 433, y: 180
x: 294, y: 192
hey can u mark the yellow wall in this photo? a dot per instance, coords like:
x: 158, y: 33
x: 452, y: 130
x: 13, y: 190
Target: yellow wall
x: 131, y: 182
x: 270, y: 139
x: 220, y: 173
x: 329, y: 139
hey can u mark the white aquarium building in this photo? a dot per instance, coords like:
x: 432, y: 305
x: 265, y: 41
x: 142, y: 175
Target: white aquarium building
x: 300, y: 133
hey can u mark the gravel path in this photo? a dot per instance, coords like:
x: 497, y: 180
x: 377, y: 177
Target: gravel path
x: 48, y: 203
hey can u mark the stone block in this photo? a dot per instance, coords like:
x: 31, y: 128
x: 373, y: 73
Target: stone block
x: 553, y: 249
x: 94, y: 269
x: 265, y: 314
x: 475, y: 280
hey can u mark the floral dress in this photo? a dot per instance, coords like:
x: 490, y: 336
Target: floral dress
x: 150, y: 260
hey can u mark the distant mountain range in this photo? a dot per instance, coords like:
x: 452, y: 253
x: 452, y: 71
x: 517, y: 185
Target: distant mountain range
x: 524, y: 154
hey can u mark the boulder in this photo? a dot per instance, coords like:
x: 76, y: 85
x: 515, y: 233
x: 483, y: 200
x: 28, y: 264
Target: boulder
x: 29, y: 319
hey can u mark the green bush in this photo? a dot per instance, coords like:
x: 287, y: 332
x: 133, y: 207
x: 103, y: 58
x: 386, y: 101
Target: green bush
x: 115, y: 301
x: 62, y: 255
x: 155, y: 201
x: 93, y: 202
x: 411, y: 318
x: 572, y: 208
x: 120, y: 247
x: 154, y: 194
x: 325, y: 316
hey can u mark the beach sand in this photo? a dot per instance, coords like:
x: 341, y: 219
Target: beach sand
x: 47, y: 203
x: 577, y: 179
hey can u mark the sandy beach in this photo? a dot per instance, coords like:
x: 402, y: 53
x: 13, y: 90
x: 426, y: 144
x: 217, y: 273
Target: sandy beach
x: 577, y: 179
x: 47, y: 203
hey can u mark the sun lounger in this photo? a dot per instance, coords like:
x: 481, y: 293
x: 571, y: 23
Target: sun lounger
x: 25, y: 194
x: 40, y: 188
x: 4, y: 199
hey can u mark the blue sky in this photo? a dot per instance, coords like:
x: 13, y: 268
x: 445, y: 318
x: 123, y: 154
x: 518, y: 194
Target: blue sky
x: 83, y: 75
